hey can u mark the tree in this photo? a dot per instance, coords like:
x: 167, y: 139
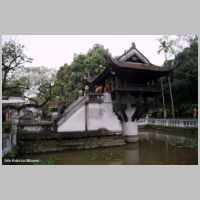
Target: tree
x: 72, y: 78
x: 38, y: 83
x: 185, y: 76
x: 34, y: 83
x: 163, y: 47
x: 186, y: 72
x: 13, y: 57
x: 174, y: 44
x: 166, y: 46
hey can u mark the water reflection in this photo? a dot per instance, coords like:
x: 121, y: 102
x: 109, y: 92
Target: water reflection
x: 153, y: 148
x: 159, y: 148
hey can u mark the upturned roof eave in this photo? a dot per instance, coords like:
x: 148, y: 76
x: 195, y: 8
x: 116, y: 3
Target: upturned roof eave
x: 100, y: 76
x: 115, y: 65
x: 139, y: 66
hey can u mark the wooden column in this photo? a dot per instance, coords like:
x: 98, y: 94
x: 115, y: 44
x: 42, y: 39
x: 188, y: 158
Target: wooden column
x: 116, y: 81
x: 120, y: 108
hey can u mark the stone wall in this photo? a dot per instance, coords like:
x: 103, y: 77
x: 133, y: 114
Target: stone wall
x: 51, y: 142
x: 29, y: 126
x: 92, y: 116
x: 75, y: 123
x: 9, y: 141
x: 102, y: 116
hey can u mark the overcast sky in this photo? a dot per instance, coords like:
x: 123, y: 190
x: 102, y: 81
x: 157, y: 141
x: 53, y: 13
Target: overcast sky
x: 56, y: 50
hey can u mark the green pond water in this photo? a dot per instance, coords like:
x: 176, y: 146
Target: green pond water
x: 154, y: 148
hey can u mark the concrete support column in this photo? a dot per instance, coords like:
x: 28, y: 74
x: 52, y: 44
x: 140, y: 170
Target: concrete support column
x: 130, y: 128
x: 130, y: 131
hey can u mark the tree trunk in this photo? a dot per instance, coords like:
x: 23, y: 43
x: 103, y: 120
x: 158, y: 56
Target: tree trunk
x: 4, y: 81
x: 172, y: 101
x: 170, y: 91
x: 163, y: 98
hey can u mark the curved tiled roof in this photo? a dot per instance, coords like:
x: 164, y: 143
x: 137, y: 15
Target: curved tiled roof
x: 112, y: 64
x: 134, y: 65
x: 141, y: 66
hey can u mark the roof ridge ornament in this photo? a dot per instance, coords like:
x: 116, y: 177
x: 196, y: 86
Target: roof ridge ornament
x: 133, y: 45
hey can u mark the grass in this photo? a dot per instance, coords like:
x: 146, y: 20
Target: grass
x: 13, y: 153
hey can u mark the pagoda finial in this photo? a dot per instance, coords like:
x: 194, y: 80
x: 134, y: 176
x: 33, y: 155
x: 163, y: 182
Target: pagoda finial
x: 133, y: 44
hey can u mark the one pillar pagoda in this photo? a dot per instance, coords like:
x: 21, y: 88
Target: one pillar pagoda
x: 130, y: 80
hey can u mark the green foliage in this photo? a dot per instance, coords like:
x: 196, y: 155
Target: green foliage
x: 35, y: 80
x: 165, y: 46
x: 72, y: 78
x: 6, y: 125
x: 34, y: 83
x: 13, y: 58
x: 171, y: 45
x: 53, y: 109
x: 46, y: 110
x: 9, y: 122
x: 184, y: 77
x: 13, y: 153
x: 159, y: 115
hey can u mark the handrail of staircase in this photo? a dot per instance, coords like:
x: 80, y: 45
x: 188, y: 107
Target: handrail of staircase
x: 72, y: 108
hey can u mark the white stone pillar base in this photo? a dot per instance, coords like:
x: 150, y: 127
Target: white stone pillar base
x: 131, y: 138
x: 130, y: 131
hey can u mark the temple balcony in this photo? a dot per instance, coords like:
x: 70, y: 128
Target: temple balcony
x: 138, y: 88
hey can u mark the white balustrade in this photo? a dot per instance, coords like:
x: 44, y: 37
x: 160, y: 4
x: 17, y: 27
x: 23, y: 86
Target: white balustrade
x: 169, y: 122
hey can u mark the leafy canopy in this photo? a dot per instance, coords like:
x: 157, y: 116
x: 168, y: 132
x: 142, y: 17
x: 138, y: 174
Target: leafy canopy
x: 185, y: 76
x: 72, y: 78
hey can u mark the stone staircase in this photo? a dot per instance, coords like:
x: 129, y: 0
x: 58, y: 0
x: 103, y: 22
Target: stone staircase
x: 74, y: 107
